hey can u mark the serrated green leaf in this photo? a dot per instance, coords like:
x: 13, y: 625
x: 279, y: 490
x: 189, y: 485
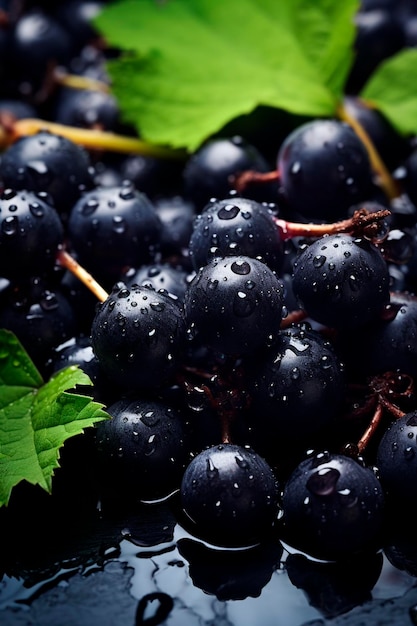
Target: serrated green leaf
x: 36, y: 418
x: 191, y: 66
x: 392, y: 90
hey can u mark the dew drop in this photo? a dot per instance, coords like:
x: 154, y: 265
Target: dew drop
x: 119, y: 224
x: 295, y: 373
x: 212, y: 283
x: 211, y: 469
x: 89, y: 207
x: 228, y: 212
x: 36, y: 209
x: 49, y: 301
x: 296, y: 168
x: 241, y: 462
x: 10, y: 225
x: 243, y: 304
x: 323, y: 482
x: 151, y: 445
x: 150, y: 419
x: 240, y: 267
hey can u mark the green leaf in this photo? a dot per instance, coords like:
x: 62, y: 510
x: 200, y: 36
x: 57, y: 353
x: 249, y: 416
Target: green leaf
x: 392, y: 90
x: 191, y: 66
x: 36, y: 418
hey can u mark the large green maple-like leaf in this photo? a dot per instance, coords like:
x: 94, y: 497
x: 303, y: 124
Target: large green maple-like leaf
x: 36, y: 418
x: 191, y: 66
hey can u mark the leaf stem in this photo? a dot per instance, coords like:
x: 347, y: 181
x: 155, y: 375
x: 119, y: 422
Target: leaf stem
x: 89, y: 138
x: 386, y: 181
x: 67, y: 261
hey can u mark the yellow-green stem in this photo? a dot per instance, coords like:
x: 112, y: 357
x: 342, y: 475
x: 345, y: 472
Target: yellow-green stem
x: 386, y: 181
x: 80, y: 82
x: 89, y: 138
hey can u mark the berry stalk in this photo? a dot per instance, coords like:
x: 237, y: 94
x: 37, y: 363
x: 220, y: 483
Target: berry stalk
x: 362, y: 223
x: 88, y: 138
x: 386, y: 181
x: 67, y: 261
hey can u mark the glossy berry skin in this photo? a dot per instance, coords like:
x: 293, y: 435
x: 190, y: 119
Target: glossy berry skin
x: 40, y: 316
x: 161, y: 276
x: 113, y: 228
x: 230, y: 494
x: 209, y: 171
x: 138, y: 337
x: 388, y: 343
x: 76, y: 17
x: 49, y: 163
x: 233, y: 305
x: 341, y: 281
x: 31, y: 232
x: 379, y: 35
x: 333, y: 507
x: 296, y: 388
x: 177, y: 217
x: 86, y: 108
x: 397, y: 459
x: 324, y: 169
x: 391, y: 146
x: 142, y: 450
x: 38, y: 42
x: 239, y: 226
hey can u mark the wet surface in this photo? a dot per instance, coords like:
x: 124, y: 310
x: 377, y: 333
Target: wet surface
x: 142, y: 567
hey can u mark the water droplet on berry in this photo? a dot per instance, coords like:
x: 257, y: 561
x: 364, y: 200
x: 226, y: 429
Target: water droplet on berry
x: 150, y: 445
x: 243, y: 304
x: 89, y: 207
x: 240, y: 267
x: 228, y: 212
x: 10, y: 225
x: 211, y: 469
x: 36, y: 209
x: 119, y: 224
x: 324, y: 481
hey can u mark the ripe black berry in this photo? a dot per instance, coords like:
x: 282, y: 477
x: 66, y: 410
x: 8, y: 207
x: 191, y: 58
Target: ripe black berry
x: 234, y: 305
x: 341, y: 281
x: 324, y: 169
x: 31, y: 232
x: 333, y: 507
x: 230, y: 494
x: 138, y: 335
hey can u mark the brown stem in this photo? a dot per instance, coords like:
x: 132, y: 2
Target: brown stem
x: 67, y: 261
x: 393, y: 409
x: 224, y: 415
x: 360, y: 223
x: 372, y: 427
x: 249, y: 177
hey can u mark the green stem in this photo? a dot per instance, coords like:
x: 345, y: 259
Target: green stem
x: 386, y: 181
x: 89, y: 138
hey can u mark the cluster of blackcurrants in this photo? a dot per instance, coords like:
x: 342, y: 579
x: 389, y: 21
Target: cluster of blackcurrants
x: 254, y: 344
